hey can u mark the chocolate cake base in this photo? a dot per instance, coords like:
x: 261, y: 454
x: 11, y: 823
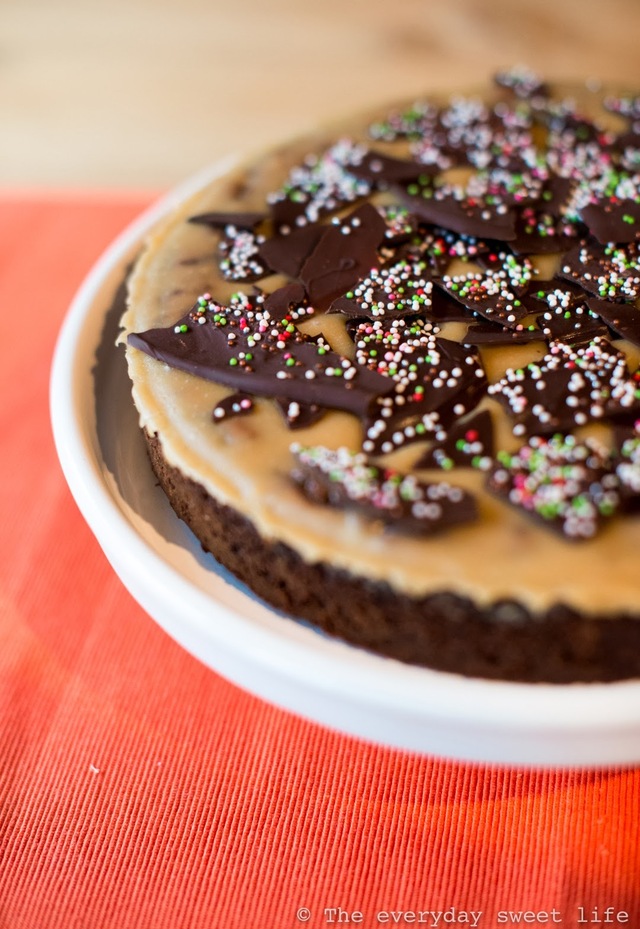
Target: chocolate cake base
x: 443, y: 631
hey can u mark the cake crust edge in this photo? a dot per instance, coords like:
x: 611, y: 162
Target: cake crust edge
x: 442, y: 631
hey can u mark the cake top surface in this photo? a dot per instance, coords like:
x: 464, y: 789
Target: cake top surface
x: 432, y: 317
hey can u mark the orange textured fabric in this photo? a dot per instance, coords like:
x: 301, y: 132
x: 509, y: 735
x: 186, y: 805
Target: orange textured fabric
x: 139, y: 789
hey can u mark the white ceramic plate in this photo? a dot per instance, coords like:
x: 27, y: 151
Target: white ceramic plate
x: 280, y: 659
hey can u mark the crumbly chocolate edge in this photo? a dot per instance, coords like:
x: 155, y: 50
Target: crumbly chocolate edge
x: 442, y: 631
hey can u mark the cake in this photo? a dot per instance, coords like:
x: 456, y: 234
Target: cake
x: 388, y: 375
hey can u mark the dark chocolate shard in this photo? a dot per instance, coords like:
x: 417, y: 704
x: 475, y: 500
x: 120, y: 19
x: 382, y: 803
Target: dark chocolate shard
x: 400, y: 501
x: 220, y: 220
x: 286, y: 254
x: 402, y: 226
x: 575, y: 327
x: 539, y: 232
x: 612, y: 221
x: 345, y: 253
x: 239, y: 245
x: 444, y: 309
x: 627, y: 105
x: 490, y: 334
x: 321, y: 185
x: 564, y: 484
x: 570, y: 386
x: 556, y: 193
x: 567, y: 127
x: 380, y: 170
x: 468, y: 131
x: 555, y: 294
x: 412, y: 122
x: 299, y: 415
x: 465, y: 215
x: 281, y: 300
x: 627, y: 149
x: 245, y: 347
x: 468, y: 444
x: 237, y: 404
x: 611, y: 272
x: 401, y: 288
x: 496, y: 292
x: 623, y: 318
x: 567, y: 317
x: 443, y: 246
x: 434, y: 381
x: 239, y: 256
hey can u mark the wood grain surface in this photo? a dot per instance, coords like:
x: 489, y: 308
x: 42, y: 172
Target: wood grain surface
x: 145, y: 92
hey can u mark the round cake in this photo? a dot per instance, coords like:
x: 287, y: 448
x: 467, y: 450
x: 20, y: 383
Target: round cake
x: 388, y: 375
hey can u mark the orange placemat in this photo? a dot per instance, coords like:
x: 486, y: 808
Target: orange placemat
x: 139, y: 789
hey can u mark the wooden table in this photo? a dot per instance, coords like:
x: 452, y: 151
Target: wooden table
x: 144, y: 93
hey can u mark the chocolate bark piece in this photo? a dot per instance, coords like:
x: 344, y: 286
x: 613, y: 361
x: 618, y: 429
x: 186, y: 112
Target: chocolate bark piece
x: 488, y: 334
x: 239, y: 244
x: 606, y: 196
x: 555, y: 294
x: 299, y: 415
x: 321, y: 185
x: 539, y: 232
x: 221, y: 219
x: 246, y: 347
x: 239, y: 256
x: 611, y: 271
x: 468, y: 131
x: 627, y: 105
x: 567, y: 317
x: 237, y: 404
x: 496, y: 292
x: 458, y: 212
x: 346, y: 251
x: 380, y: 170
x: 445, y: 246
x: 567, y: 127
x: 613, y: 220
x: 623, y: 318
x: 565, y: 484
x: 402, y: 288
x: 412, y: 122
x: 575, y: 327
x: 568, y: 387
x: 286, y: 254
x: 434, y: 380
x: 402, y: 226
x: 444, y: 309
x: 469, y: 443
x: 348, y: 480
x: 280, y: 301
